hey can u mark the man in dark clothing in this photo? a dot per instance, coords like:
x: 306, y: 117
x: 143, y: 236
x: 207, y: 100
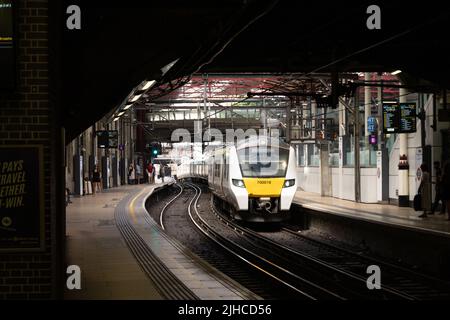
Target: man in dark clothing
x: 438, y: 189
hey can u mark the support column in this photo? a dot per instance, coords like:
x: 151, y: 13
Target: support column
x: 288, y: 121
x: 205, y: 102
x: 367, y: 103
x: 403, y: 166
x: 382, y: 153
x: 341, y: 148
x: 263, y: 118
x: 325, y: 171
x: 341, y: 110
x: 357, y: 134
x: 313, y: 118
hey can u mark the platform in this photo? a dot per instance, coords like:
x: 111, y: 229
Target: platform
x: 108, y: 269
x: 124, y: 254
x: 383, y: 231
x: 401, y: 217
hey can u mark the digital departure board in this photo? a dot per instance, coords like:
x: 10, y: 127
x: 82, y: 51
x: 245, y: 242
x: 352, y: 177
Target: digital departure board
x: 390, y: 118
x: 407, y: 117
x: 399, y: 117
x: 108, y: 139
x: 7, y: 61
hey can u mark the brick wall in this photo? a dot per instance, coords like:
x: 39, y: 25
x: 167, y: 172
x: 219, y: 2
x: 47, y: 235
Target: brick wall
x: 26, y: 118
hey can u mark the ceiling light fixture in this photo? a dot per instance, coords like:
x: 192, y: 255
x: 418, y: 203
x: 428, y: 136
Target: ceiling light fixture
x: 148, y: 85
x: 396, y: 72
x: 169, y: 66
x: 136, y: 97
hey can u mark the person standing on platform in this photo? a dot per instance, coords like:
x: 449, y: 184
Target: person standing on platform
x: 131, y: 174
x: 96, y: 180
x: 437, y: 188
x: 161, y: 172
x: 138, y: 173
x: 425, y: 190
x: 445, y: 188
x: 150, y: 172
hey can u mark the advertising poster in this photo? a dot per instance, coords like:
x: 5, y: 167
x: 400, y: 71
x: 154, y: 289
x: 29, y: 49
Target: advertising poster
x: 21, y: 198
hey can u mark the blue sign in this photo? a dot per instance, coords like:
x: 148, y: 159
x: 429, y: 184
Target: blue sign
x: 371, y: 124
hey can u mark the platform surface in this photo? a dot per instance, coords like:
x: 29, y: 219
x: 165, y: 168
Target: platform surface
x: 377, y: 213
x: 108, y: 269
x: 202, y: 279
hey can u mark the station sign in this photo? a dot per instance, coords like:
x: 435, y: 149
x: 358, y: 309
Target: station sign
x: 7, y: 60
x: 399, y: 117
x: 107, y: 139
x: 371, y: 124
x: 21, y: 198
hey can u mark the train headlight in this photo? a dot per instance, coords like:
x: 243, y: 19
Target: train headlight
x: 289, y: 183
x: 239, y: 183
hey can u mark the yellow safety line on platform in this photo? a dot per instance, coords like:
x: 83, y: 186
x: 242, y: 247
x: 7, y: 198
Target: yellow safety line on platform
x: 131, y: 206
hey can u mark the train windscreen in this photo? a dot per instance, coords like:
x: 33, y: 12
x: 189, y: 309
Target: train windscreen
x: 263, y: 161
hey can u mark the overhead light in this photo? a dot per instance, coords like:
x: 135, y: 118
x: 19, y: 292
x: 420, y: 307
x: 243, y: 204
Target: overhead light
x: 127, y: 106
x: 169, y: 66
x: 396, y: 72
x: 121, y: 114
x: 115, y: 119
x: 148, y: 85
x: 136, y: 98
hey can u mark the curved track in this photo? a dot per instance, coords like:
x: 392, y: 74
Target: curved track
x: 261, y: 260
x: 161, y: 220
x: 304, y: 267
x: 347, y: 268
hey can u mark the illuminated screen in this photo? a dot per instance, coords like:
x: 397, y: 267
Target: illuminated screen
x: 107, y: 139
x: 407, y: 117
x: 390, y: 118
x: 6, y: 45
x: 399, y: 117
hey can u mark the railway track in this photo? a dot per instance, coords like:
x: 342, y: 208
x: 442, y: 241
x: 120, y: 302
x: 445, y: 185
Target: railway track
x: 304, y: 267
x: 174, y: 210
x: 347, y: 268
x: 413, y: 284
x: 258, y: 258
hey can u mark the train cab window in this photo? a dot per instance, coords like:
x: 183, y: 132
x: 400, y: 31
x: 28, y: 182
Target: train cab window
x: 263, y: 162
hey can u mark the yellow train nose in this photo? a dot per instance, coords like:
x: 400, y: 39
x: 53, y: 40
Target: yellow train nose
x: 264, y: 187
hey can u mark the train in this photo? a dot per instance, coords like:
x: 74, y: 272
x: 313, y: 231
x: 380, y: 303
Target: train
x: 254, y: 180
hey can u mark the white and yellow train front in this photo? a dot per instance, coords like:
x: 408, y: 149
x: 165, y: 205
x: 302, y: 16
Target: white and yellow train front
x: 256, y: 183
